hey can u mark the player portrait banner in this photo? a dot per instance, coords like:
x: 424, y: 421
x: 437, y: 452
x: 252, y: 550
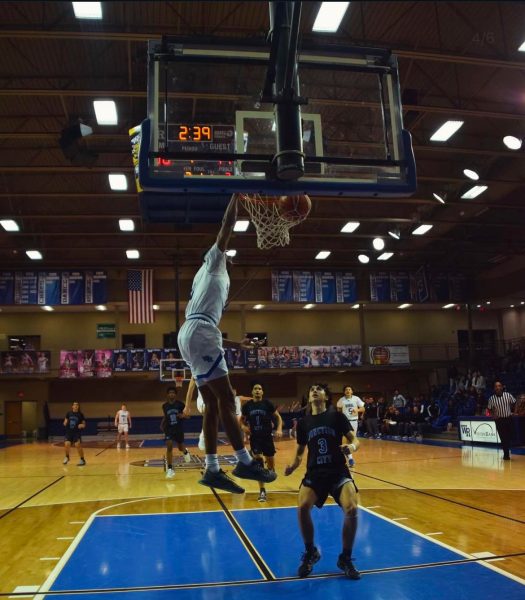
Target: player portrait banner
x: 25, y: 362
x: 389, y: 356
x: 53, y: 288
x: 321, y: 287
x: 68, y: 368
x: 140, y: 296
x: 103, y: 363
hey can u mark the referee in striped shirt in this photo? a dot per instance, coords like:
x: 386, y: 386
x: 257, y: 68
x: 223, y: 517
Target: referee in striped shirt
x: 501, y: 406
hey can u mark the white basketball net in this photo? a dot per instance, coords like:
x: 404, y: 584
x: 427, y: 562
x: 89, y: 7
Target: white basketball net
x: 271, y: 227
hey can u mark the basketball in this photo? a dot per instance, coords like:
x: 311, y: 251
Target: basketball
x: 294, y: 208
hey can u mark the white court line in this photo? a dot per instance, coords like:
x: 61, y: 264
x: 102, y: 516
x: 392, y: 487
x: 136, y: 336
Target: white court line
x: 448, y: 547
x: 434, y: 533
x: 49, y: 558
x: 487, y: 555
x: 20, y: 589
x: 376, y: 506
x: 66, y: 538
x: 76, y: 522
x: 400, y: 519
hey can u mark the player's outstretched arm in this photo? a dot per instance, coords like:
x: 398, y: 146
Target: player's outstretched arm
x: 228, y: 221
x: 189, y: 398
x: 279, y: 429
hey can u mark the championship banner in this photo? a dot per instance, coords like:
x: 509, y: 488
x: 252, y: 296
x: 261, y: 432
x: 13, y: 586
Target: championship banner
x: 7, y: 287
x: 26, y: 287
x: 439, y: 289
x: 49, y: 288
x: 325, y: 288
x: 380, y: 287
x: 303, y: 286
x: 346, y: 288
x: 400, y: 287
x: 457, y: 285
x: 389, y: 356
x: 282, y: 286
x: 420, y: 285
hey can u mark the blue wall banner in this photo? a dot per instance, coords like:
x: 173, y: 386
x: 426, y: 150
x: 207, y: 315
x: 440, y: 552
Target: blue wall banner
x: 303, y: 286
x: 400, y: 287
x: 346, y: 288
x: 439, y: 289
x: 7, y: 287
x: 26, y: 287
x: 457, y: 285
x: 325, y: 287
x: 380, y: 287
x: 282, y: 286
x: 420, y: 285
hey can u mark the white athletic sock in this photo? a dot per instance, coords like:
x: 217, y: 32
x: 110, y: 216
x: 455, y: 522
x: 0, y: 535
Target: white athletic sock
x: 212, y: 463
x: 243, y: 456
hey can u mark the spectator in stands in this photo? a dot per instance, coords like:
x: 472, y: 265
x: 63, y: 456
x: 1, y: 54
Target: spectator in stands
x: 478, y: 382
x: 370, y: 418
x: 415, y: 424
x: 432, y: 412
x: 398, y: 401
x: 390, y: 427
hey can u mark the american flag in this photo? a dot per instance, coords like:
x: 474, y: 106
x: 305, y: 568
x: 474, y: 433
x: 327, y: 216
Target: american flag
x: 140, y: 296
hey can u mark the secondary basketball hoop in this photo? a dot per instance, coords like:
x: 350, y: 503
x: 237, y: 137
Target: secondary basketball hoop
x: 274, y: 216
x: 179, y: 380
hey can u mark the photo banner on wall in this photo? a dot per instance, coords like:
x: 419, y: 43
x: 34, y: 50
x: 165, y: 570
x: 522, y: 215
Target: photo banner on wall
x: 25, y: 362
x: 389, y: 356
x: 53, y: 288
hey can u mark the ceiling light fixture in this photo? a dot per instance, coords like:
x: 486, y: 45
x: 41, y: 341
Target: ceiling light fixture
x: 422, y: 229
x: 118, y: 182
x: 231, y: 253
x: 446, y: 131
x: 512, y: 142
x: 126, y: 224
x: 132, y: 254
x: 87, y: 10
x: 308, y: 306
x: 474, y: 192
x: 385, y: 256
x: 330, y: 16
x: 48, y: 308
x: 363, y: 258
x: 101, y: 307
x: 106, y: 112
x: 323, y: 255
x: 241, y: 225
x: 378, y: 243
x: 439, y: 198
x: 395, y: 233
x: 350, y: 227
x: 471, y: 174
x: 9, y: 225
x: 403, y: 306
x: 34, y: 254
x: 355, y: 306
x: 258, y: 306
x: 155, y: 307
x: 522, y: 48
x: 449, y: 305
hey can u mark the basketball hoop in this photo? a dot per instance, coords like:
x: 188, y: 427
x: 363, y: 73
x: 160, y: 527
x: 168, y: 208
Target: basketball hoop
x: 179, y: 380
x: 272, y: 227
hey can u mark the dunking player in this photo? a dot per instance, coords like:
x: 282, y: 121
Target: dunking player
x: 171, y: 425
x: 74, y: 422
x: 257, y: 414
x: 201, y: 346
x: 123, y: 425
x: 326, y: 473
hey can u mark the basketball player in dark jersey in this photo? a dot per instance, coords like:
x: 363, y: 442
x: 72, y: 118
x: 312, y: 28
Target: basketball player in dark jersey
x: 74, y: 422
x: 326, y: 473
x: 257, y: 414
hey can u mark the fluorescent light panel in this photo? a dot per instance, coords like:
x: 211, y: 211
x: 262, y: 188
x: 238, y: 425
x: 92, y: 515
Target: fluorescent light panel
x: 323, y: 254
x: 118, y: 182
x: 385, y: 256
x: 512, y: 142
x: 446, y: 131
x: 34, y: 254
x: 132, y: 254
x: 474, y: 192
x: 87, y: 10
x: 330, y: 16
x: 350, y: 227
x: 9, y: 225
x: 241, y: 225
x: 106, y: 112
x: 403, y: 306
x: 363, y: 258
x: 438, y: 198
x: 422, y: 229
x: 471, y: 174
x: 522, y: 47
x: 126, y: 224
x: 395, y: 233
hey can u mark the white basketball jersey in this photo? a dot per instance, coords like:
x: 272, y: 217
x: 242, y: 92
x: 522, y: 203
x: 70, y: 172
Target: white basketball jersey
x: 123, y: 417
x: 349, y: 405
x: 210, y: 288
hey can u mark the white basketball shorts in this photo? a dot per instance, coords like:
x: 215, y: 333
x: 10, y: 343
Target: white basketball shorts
x: 123, y: 428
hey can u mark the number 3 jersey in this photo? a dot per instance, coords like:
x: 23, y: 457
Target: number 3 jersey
x: 323, y: 434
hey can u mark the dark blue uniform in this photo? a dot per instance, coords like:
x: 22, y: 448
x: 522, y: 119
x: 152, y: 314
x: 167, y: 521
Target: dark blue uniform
x: 259, y: 417
x: 74, y: 419
x: 172, y: 421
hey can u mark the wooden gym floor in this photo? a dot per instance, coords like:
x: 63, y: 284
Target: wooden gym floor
x: 466, y: 498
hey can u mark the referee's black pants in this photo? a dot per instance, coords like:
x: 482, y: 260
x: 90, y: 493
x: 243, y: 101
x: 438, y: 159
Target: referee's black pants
x: 504, y: 428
